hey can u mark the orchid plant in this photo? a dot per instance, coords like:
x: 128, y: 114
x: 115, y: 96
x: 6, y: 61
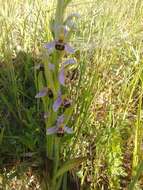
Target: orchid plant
x: 58, y: 106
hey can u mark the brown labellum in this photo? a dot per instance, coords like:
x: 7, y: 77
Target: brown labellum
x: 66, y: 103
x: 50, y: 93
x: 60, y: 45
x: 60, y: 132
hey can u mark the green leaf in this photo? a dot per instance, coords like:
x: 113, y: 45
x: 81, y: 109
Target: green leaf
x: 136, y: 177
x: 66, y: 3
x: 69, y: 165
x: 1, y: 135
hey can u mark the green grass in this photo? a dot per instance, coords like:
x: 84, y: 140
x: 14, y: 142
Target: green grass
x: 107, y: 116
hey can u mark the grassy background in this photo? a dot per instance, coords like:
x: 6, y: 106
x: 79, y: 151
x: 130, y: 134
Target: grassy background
x: 107, y: 92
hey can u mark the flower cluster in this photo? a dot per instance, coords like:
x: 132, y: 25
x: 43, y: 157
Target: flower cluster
x: 60, y: 99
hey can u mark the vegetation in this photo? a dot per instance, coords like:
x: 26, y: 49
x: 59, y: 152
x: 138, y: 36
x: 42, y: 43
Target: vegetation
x: 105, y: 87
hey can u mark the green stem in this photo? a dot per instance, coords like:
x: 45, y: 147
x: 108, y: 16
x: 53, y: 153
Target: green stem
x: 137, y: 143
x: 59, y: 15
x: 56, y: 160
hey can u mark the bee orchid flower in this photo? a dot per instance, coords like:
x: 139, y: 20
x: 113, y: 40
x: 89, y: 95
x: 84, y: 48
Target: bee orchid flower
x: 60, y: 128
x: 61, y: 101
x: 59, y: 45
x: 62, y: 71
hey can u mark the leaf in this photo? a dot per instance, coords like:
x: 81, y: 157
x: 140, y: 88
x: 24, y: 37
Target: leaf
x: 69, y: 165
x: 136, y: 177
x: 68, y: 114
x: 66, y: 3
x: 1, y: 135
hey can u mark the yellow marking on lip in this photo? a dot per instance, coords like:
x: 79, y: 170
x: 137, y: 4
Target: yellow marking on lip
x: 61, y: 126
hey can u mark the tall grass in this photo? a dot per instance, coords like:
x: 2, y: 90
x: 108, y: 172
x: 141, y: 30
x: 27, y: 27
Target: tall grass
x: 106, y: 86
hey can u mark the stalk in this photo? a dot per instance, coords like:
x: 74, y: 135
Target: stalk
x: 59, y: 15
x: 56, y: 161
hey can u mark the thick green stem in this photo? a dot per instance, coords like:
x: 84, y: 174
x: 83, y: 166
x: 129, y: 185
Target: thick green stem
x: 56, y: 160
x: 59, y: 15
x: 138, y: 139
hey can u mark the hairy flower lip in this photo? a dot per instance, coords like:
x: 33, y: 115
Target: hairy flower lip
x: 66, y: 103
x: 60, y: 46
x: 50, y: 93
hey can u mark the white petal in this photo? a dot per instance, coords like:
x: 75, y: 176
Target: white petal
x: 51, y: 130
x: 69, y: 49
x: 70, y: 61
x: 72, y: 25
x: 42, y: 93
x: 60, y: 120
x: 68, y: 130
x: 62, y: 77
x: 50, y: 46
